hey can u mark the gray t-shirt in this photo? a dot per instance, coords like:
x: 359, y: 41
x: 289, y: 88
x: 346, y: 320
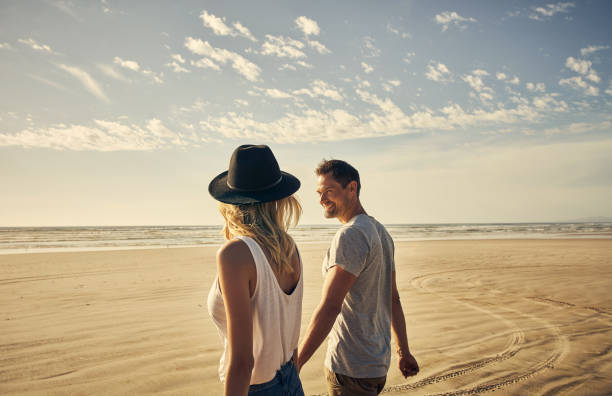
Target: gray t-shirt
x: 359, y: 344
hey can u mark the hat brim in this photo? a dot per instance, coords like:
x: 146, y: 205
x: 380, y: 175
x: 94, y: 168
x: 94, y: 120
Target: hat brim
x: 220, y: 191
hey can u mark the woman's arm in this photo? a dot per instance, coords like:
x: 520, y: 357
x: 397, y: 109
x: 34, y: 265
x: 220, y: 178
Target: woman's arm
x: 237, y: 273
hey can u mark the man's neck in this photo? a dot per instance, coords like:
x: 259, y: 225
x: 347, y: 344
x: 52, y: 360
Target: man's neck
x: 353, y: 211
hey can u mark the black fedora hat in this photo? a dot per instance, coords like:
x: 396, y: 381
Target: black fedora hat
x: 253, y: 176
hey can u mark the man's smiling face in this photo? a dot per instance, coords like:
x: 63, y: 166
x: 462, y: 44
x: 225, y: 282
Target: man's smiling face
x: 334, y: 198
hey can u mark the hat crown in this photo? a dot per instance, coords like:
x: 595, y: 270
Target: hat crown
x: 253, y: 168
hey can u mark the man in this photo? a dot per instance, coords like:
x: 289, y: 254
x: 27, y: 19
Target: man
x: 360, y: 305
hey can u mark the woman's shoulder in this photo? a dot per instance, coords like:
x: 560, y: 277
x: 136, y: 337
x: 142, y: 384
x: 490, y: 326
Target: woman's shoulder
x: 234, y: 253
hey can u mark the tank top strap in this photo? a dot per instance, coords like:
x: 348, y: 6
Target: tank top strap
x: 262, y: 267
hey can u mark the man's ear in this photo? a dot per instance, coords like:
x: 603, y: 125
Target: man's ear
x: 353, y: 186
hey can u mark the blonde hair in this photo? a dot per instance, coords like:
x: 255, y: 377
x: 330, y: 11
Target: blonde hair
x: 267, y: 223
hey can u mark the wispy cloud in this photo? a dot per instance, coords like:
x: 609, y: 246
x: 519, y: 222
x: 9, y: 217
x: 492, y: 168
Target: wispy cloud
x: 593, y: 48
x: 134, y: 66
x: 320, y: 48
x: 176, y: 64
x: 438, y: 72
x: 110, y: 71
x: 5, y: 46
x: 101, y: 136
x: 88, y: 82
x: 451, y: 18
x: 397, y: 32
x: 320, y: 88
x: 283, y: 47
x: 307, y: 26
x: 128, y: 64
x: 547, y: 11
x: 367, y: 68
x: 220, y: 28
x: 30, y: 42
x: 578, y: 83
x: 369, y: 49
x: 243, y: 66
x: 390, y: 84
x: 583, y: 67
x: 48, y: 82
x: 277, y: 94
x: 408, y: 57
x: 538, y: 87
x: 66, y: 7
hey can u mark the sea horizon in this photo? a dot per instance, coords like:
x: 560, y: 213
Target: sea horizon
x: 43, y: 239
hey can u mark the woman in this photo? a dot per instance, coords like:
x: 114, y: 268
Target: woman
x: 256, y: 300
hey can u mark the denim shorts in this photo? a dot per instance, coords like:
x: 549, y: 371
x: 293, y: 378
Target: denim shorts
x: 286, y: 382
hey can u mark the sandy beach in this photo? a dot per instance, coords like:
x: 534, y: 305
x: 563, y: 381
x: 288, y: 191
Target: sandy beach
x: 510, y: 317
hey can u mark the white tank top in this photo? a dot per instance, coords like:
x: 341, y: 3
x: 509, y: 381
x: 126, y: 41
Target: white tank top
x: 276, y: 319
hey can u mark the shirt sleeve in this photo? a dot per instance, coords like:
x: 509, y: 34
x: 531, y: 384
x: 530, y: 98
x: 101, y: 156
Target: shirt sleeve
x: 350, y: 251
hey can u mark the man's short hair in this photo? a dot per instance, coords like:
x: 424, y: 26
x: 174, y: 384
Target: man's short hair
x: 341, y: 171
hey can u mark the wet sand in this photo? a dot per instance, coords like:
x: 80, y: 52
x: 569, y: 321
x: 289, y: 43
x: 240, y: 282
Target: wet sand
x: 509, y: 317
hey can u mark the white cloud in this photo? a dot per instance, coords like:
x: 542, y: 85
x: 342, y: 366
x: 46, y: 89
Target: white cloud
x: 539, y: 87
x: 578, y: 83
x: 241, y: 102
x: 111, y: 72
x: 244, y: 31
x: 592, y: 48
x: 178, y: 58
x: 337, y: 124
x: 367, y: 68
x: 88, y: 82
x: 48, y: 82
x: 583, y: 67
x: 65, y: 7
x: 542, y: 13
x: 283, y: 47
x: 5, y: 46
x: 220, y: 28
x: 177, y: 68
x: 277, y: 94
x: 369, y: 49
x: 549, y: 102
x: 390, y: 84
x: 320, y: 88
x: 134, y: 66
x: 304, y: 64
x: 35, y: 45
x: 480, y: 72
x: 609, y: 89
x: 439, y: 72
x: 101, y: 136
x: 408, y: 57
x: 320, y: 48
x: 501, y: 76
x: 287, y: 66
x: 177, y: 61
x: 393, y: 30
x: 447, y: 19
x: 243, y: 66
x: 205, y: 63
x: 578, y: 65
x: 128, y: 64
x: 308, y: 26
x: 515, y: 81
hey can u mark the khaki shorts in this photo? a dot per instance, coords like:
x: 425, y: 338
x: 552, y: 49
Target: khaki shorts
x: 343, y: 385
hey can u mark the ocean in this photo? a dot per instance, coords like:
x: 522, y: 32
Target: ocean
x: 52, y: 239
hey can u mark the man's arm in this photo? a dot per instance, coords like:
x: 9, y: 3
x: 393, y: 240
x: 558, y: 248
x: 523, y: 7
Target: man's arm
x: 407, y: 363
x: 337, y: 283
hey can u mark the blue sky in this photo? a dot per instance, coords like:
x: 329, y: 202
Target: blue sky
x: 120, y: 113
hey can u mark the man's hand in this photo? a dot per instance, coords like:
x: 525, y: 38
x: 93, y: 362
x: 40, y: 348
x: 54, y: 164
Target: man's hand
x: 408, y: 365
